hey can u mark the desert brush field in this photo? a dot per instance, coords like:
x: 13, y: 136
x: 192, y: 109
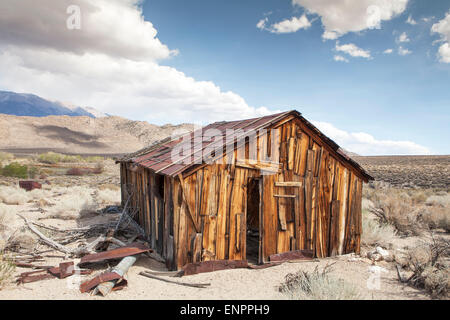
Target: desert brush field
x: 405, y: 242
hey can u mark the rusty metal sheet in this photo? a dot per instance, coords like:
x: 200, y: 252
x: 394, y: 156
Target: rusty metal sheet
x: 213, y: 265
x: 292, y: 255
x: 104, y: 277
x: 131, y: 250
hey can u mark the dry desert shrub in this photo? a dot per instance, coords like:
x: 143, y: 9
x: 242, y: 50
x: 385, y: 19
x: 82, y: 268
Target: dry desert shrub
x: 441, y: 199
x: 7, y: 268
x: 13, y: 195
x: 397, y: 209
x: 73, y: 200
x: 429, y: 264
x: 376, y: 234
x: 436, y: 218
x: 317, y: 285
x: 108, y: 196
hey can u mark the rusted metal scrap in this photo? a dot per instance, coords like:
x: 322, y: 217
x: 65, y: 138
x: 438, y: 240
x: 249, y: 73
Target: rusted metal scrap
x: 292, y: 255
x: 94, y: 282
x: 106, y: 287
x: 64, y: 270
x: 130, y: 250
x: 213, y: 265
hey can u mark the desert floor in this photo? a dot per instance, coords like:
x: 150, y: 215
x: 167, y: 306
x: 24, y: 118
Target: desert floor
x: 60, y: 205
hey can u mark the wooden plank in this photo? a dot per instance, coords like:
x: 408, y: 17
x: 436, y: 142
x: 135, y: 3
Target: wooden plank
x: 190, y: 211
x: 291, y: 153
x: 221, y: 230
x: 287, y: 196
x: 238, y: 205
x: 309, y: 198
x: 182, y: 243
x: 258, y: 165
x: 240, y: 231
x: 152, y: 210
x: 210, y: 206
x: 269, y: 217
x: 196, y: 247
x: 298, y: 184
x: 333, y: 241
x: 343, y: 198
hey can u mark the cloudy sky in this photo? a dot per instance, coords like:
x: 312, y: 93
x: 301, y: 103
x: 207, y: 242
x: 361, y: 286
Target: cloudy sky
x: 372, y: 74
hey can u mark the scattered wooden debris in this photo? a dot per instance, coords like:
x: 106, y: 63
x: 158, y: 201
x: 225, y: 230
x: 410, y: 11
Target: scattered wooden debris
x: 194, y: 285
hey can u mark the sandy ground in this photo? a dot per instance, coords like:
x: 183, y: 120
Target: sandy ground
x: 225, y: 285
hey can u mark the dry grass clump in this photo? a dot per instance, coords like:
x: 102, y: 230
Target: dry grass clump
x: 429, y: 264
x: 13, y: 195
x: 376, y: 234
x: 108, y: 196
x: 73, y: 200
x: 317, y: 285
x: 7, y: 268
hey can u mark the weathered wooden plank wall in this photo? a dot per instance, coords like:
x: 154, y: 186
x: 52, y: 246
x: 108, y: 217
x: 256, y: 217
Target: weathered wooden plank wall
x: 313, y: 201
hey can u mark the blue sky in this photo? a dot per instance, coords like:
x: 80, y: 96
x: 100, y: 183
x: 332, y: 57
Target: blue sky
x: 173, y: 61
x: 390, y: 96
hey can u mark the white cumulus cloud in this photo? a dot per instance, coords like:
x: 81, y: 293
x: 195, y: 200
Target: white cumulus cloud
x: 291, y: 25
x: 365, y: 144
x: 403, y: 38
x: 388, y: 51
x: 403, y: 51
x: 342, y: 16
x: 442, y: 27
x: 340, y: 58
x: 112, y: 63
x: 411, y: 21
x: 353, y: 50
x: 286, y: 26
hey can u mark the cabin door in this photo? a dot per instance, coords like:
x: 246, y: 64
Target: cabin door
x: 254, y: 218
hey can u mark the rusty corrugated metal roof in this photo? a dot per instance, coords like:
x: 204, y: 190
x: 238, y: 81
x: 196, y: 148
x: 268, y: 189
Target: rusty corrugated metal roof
x: 157, y: 157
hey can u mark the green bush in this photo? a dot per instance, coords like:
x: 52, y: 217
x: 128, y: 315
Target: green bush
x: 54, y: 158
x: 15, y: 169
x: 50, y: 157
x: 33, y: 172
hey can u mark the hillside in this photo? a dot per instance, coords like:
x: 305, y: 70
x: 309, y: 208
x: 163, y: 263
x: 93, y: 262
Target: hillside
x: 84, y: 135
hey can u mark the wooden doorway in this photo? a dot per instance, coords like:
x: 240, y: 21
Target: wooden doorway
x: 254, y: 229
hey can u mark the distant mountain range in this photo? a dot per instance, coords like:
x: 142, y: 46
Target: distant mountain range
x: 24, y: 104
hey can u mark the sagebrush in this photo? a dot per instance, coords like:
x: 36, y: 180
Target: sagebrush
x: 317, y: 285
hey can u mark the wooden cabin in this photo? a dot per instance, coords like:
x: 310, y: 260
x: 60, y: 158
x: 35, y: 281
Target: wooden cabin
x: 279, y: 185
